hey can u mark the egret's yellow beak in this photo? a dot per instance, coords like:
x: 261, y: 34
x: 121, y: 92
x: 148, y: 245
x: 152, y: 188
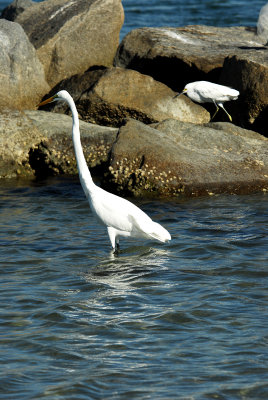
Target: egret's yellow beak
x: 49, y: 100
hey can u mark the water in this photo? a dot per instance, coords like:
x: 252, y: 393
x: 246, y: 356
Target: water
x: 140, y: 13
x: 186, y: 320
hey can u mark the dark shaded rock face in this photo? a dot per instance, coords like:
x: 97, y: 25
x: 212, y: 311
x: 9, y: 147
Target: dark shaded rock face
x: 14, y: 9
x: 76, y: 85
x: 44, y: 162
x: 50, y: 18
x: 250, y: 77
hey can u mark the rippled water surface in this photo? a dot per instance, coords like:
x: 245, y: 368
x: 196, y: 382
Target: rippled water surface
x: 186, y: 320
x: 140, y: 13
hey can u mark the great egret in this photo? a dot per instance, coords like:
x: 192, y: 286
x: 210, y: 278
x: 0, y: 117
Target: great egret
x: 208, y: 92
x: 120, y: 216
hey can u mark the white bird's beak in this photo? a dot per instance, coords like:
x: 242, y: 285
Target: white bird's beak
x: 178, y: 94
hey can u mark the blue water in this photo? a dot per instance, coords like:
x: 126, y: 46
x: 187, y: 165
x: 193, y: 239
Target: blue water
x: 140, y: 13
x: 186, y: 320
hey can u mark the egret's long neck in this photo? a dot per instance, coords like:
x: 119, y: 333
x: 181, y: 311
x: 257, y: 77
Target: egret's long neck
x: 84, y: 173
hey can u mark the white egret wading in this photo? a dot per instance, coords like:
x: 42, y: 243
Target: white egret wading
x: 120, y: 216
x: 208, y: 92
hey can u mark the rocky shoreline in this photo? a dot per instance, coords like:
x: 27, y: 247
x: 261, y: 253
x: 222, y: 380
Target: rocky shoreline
x: 133, y: 131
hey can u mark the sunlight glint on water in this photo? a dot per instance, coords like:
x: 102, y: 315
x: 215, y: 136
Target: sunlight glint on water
x: 78, y: 321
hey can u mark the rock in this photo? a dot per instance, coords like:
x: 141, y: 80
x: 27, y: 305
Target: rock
x: 72, y: 36
x: 234, y: 130
x: 17, y: 135
x: 120, y: 93
x: 176, y: 56
x: 262, y: 25
x: 174, y: 158
x: 22, y: 76
x: 76, y: 85
x: 56, y: 150
x: 40, y: 143
x: 173, y: 56
x: 170, y: 158
x: 250, y: 76
x: 14, y: 9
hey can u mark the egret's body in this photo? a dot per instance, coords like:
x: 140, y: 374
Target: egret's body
x: 120, y: 216
x: 208, y: 92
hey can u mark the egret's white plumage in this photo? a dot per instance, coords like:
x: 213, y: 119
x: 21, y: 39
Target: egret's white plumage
x: 120, y: 216
x: 208, y: 92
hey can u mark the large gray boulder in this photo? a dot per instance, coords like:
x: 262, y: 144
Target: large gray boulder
x: 40, y: 143
x: 22, y: 77
x: 170, y: 158
x: 71, y: 36
x: 176, y: 56
x: 110, y: 96
x: 173, y: 158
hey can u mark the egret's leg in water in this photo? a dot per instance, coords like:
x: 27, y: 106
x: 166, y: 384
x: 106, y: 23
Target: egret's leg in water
x: 111, y: 234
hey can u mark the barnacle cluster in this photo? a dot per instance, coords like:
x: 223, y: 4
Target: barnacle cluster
x: 137, y: 177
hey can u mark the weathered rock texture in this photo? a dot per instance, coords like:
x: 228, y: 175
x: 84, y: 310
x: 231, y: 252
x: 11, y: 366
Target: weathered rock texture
x: 22, y: 76
x: 40, y: 143
x: 169, y: 158
x: 116, y: 94
x: 76, y: 85
x: 70, y: 36
x: 176, y: 56
x: 173, y: 158
x: 17, y: 135
x: 14, y: 9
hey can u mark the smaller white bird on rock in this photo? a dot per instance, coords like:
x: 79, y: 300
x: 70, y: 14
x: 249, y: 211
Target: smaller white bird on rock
x: 208, y: 92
